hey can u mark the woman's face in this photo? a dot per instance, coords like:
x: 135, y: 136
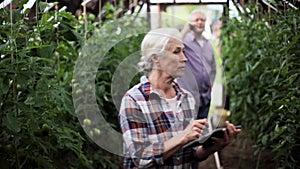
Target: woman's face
x: 173, y: 60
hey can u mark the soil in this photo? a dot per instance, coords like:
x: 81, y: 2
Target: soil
x: 240, y: 155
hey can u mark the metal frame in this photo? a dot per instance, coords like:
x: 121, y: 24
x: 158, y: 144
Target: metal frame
x: 225, y: 5
x: 188, y: 3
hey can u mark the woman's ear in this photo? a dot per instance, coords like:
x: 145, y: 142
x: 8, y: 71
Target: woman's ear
x: 155, y: 60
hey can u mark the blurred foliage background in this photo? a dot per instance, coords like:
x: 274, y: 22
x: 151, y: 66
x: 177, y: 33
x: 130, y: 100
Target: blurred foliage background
x: 261, y: 55
x: 39, y: 126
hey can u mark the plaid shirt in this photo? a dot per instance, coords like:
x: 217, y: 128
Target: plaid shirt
x: 147, y: 121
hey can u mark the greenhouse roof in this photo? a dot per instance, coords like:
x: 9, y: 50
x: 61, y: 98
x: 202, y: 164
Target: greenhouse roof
x: 188, y: 1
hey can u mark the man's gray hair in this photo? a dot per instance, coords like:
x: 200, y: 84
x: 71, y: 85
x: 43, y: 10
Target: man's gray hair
x: 154, y: 43
x: 196, y: 11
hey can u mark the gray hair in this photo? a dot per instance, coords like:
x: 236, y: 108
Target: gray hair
x: 154, y: 43
x: 196, y: 11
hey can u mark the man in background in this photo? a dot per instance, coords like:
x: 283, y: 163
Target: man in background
x: 201, y: 66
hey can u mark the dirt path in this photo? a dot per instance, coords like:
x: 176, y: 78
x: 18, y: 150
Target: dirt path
x: 240, y: 155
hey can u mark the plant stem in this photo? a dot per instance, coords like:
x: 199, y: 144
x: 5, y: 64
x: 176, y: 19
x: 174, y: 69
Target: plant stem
x: 258, y: 160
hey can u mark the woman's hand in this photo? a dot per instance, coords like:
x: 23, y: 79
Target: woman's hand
x: 194, y: 130
x: 220, y: 143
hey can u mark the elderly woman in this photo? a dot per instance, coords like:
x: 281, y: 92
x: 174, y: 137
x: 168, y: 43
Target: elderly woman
x: 157, y: 116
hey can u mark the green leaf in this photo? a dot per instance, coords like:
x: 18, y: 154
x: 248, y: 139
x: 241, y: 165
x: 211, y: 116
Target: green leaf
x: 11, y: 122
x: 43, y: 5
x: 47, y: 51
